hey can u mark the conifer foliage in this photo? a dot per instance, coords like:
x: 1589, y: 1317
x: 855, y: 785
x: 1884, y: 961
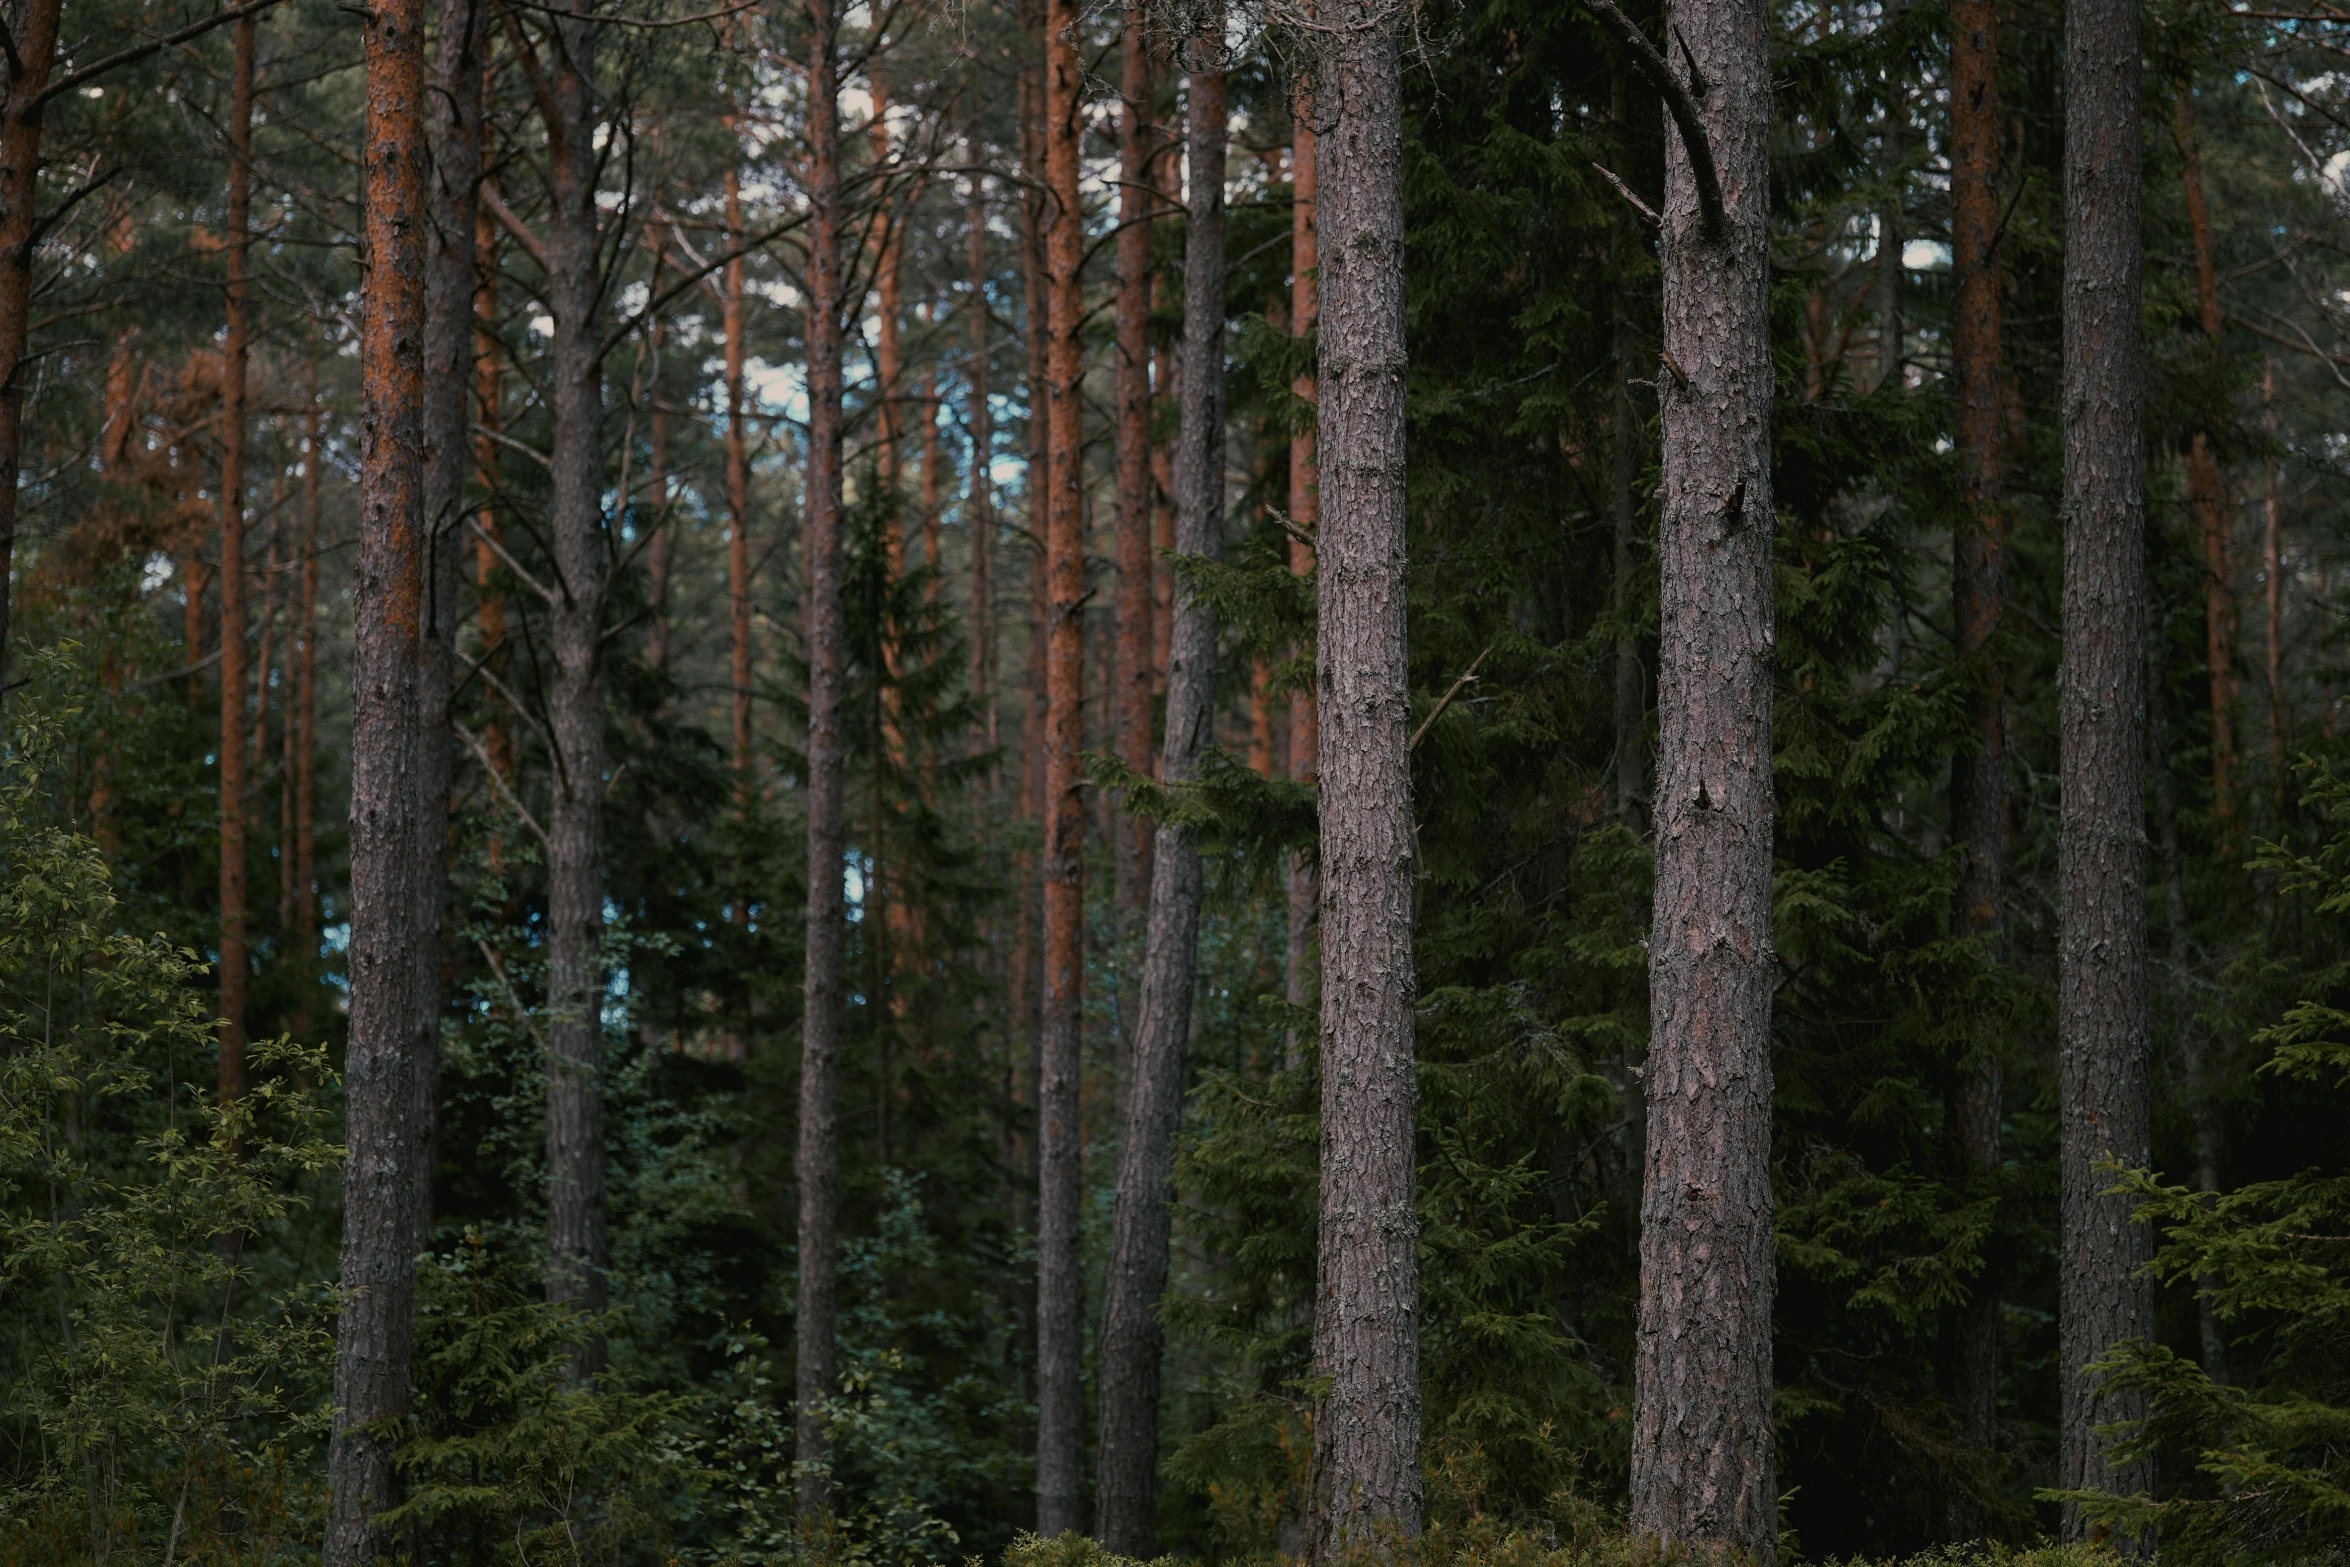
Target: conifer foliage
x: 1450, y: 782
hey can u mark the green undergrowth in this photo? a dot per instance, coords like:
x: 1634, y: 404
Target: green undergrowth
x: 1483, y: 1543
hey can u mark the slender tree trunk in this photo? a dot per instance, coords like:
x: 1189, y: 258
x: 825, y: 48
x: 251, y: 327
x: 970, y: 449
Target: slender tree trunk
x: 235, y: 970
x: 818, y: 1159
x: 888, y: 352
x: 2207, y: 493
x: 1978, y: 777
x: 1892, y: 242
x: 34, y: 54
x: 738, y: 508
x: 575, y: 829
x: 1366, y: 1319
x: 490, y: 601
x: 1702, y: 1445
x: 926, y: 405
x: 1059, y: 1321
x: 1137, y: 676
x: 1137, y: 1276
x: 982, y: 515
x: 385, y: 1077
x: 2101, y: 971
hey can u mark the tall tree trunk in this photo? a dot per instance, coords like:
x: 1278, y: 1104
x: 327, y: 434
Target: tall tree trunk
x: 818, y: 1158
x: 1892, y: 242
x: 888, y: 354
x: 738, y: 509
x: 1702, y: 1446
x: 490, y: 601
x: 2207, y: 492
x: 21, y: 90
x: 234, y: 427
x: 1978, y: 775
x: 575, y: 829
x: 1128, y: 1512
x: 388, y: 1119
x: 1137, y: 681
x: 1366, y: 1319
x: 926, y: 406
x: 1059, y: 1322
x: 2101, y: 961
x: 1304, y: 512
x: 981, y: 522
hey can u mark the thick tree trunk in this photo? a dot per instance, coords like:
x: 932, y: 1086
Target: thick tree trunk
x: 1304, y: 512
x: 34, y: 54
x: 818, y: 1159
x: 575, y: 828
x: 388, y: 1125
x: 1137, y: 674
x: 1702, y: 1445
x: 1366, y: 1319
x: 235, y: 424
x: 1060, y: 1323
x: 1137, y: 1276
x: 2101, y: 969
x: 981, y: 520
x: 1978, y: 775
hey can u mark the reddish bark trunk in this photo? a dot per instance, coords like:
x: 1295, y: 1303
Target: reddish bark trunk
x: 1060, y: 1327
x: 21, y: 92
x: 388, y: 1119
x: 1978, y: 598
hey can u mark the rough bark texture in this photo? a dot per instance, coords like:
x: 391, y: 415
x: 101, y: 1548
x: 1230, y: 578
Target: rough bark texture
x: 818, y: 1159
x: 1137, y: 672
x: 575, y: 828
x: 2207, y: 491
x: 387, y: 1128
x: 235, y: 423
x: 1060, y: 1325
x: 1978, y: 776
x: 2272, y: 563
x: 1137, y: 1275
x: 1702, y: 1445
x: 1366, y: 1320
x: 2101, y: 869
x: 21, y: 88
x: 1304, y: 514
x: 661, y: 552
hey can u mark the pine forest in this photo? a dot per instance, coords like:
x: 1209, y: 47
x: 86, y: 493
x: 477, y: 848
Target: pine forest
x: 1263, y: 783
